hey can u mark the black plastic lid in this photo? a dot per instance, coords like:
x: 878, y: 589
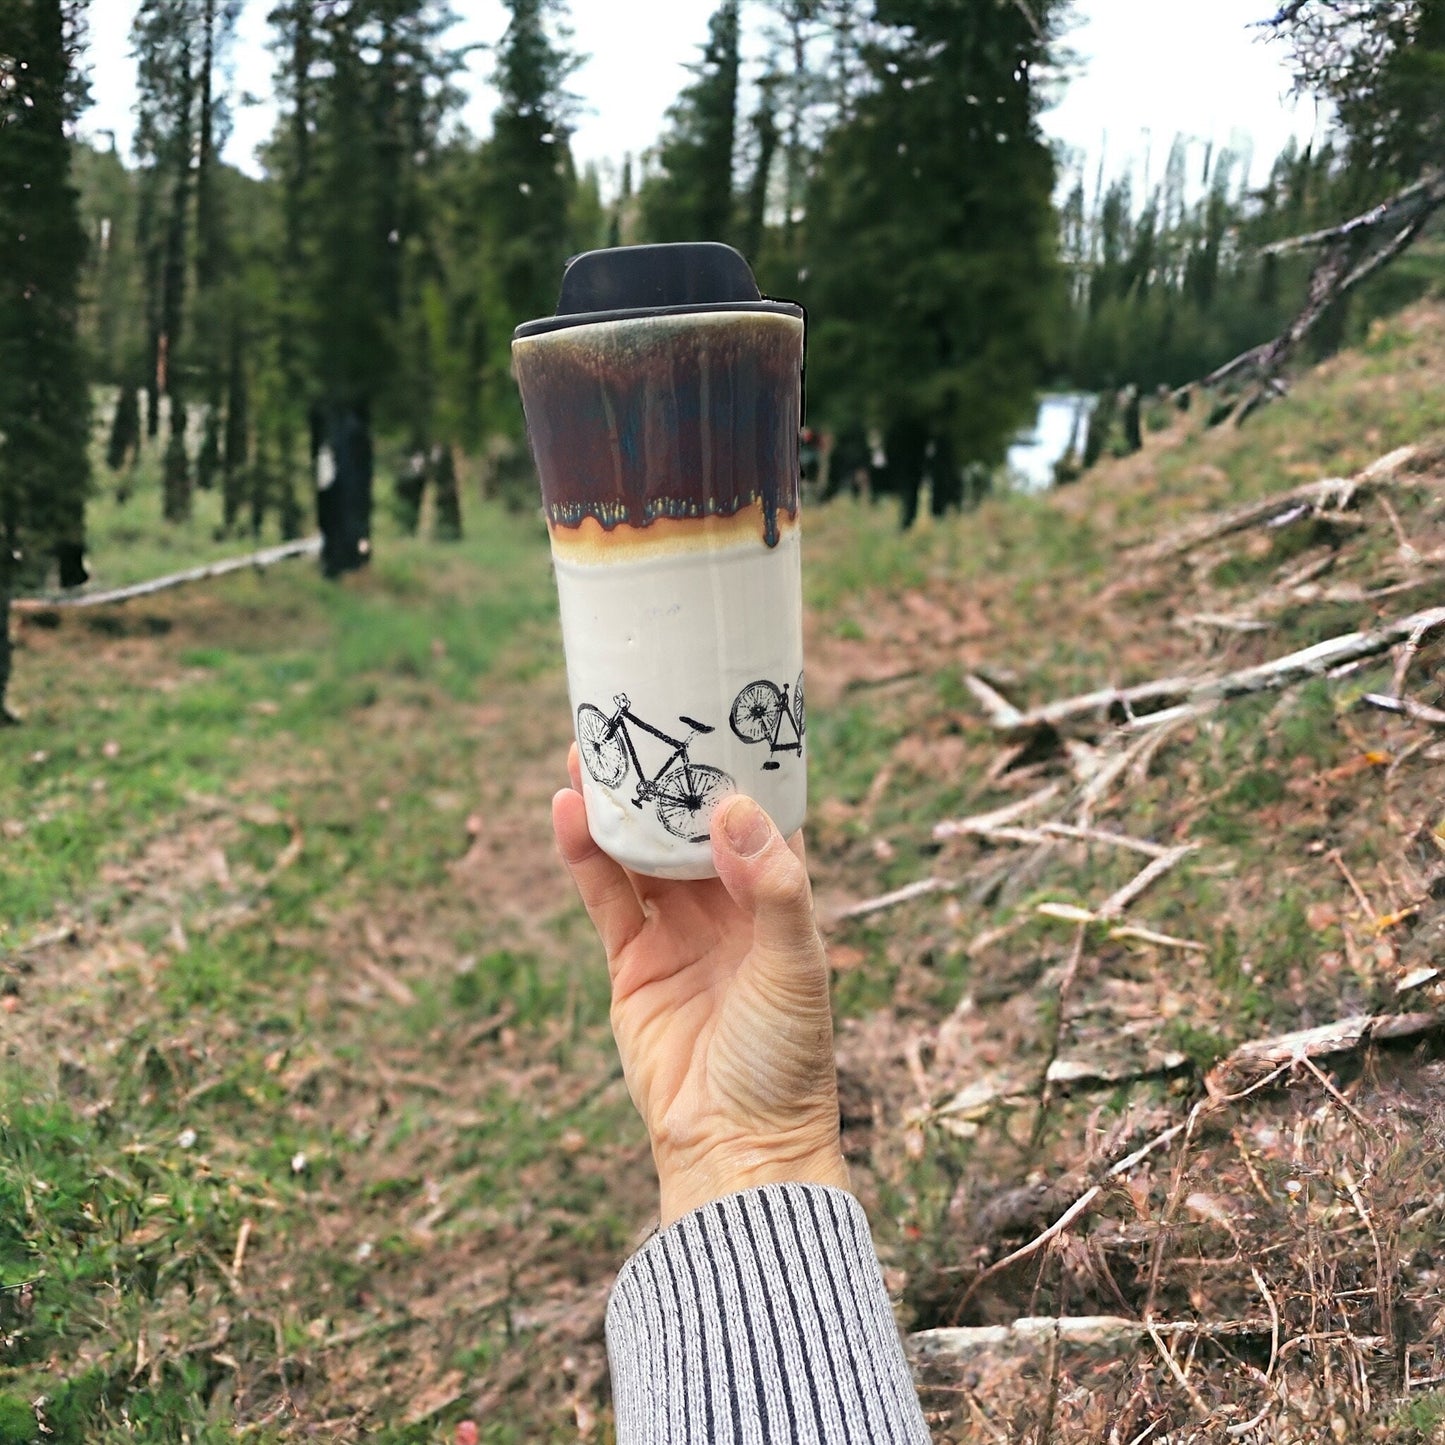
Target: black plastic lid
x: 633, y: 281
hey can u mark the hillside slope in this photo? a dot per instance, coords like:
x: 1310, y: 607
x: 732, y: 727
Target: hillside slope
x: 310, y: 1122
x: 1122, y: 905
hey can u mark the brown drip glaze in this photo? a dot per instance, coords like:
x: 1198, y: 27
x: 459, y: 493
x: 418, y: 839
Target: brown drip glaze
x: 665, y: 417
x: 591, y: 543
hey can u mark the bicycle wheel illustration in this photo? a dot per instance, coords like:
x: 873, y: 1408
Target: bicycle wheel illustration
x: 798, y: 716
x: 756, y: 712
x: 685, y: 797
x: 602, y: 752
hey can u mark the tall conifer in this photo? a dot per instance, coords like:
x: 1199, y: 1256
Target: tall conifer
x: 367, y: 82
x: 44, y: 404
x: 530, y: 178
x: 932, y: 239
x: 690, y: 196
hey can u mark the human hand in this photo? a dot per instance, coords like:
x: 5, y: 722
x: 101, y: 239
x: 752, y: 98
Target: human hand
x: 719, y: 1006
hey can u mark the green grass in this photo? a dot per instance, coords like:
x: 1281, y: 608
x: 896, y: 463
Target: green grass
x: 122, y: 1209
x: 269, y: 666
x: 325, y: 740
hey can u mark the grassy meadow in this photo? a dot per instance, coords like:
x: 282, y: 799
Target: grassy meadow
x: 310, y: 1122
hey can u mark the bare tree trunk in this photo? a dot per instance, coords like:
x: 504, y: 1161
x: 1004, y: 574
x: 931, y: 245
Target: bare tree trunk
x: 7, y: 717
x: 1355, y: 250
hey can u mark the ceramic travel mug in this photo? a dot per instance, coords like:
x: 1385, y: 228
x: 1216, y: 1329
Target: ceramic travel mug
x: 663, y: 404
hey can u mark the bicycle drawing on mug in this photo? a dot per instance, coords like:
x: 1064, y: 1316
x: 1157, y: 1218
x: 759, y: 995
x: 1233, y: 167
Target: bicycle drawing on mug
x: 683, y: 792
x: 762, y: 713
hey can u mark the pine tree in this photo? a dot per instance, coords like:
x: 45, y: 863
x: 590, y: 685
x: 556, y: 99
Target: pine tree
x: 296, y: 46
x: 120, y: 451
x: 236, y: 441
x: 529, y: 177
x: 216, y: 323
x: 528, y: 186
x: 180, y: 48
x: 931, y: 240
x: 44, y: 403
x: 766, y: 135
x: 1382, y: 64
x: 367, y: 84
x: 164, y: 35
x: 690, y: 197
x: 803, y: 91
x: 112, y: 309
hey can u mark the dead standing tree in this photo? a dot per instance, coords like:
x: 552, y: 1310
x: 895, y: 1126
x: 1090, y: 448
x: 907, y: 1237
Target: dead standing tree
x: 1351, y: 253
x: 1381, y: 65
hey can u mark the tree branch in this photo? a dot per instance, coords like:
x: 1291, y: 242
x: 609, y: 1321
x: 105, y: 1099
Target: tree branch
x: 1335, y: 275
x: 310, y: 547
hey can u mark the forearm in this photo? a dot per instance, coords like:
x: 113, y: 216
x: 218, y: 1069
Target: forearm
x: 761, y: 1315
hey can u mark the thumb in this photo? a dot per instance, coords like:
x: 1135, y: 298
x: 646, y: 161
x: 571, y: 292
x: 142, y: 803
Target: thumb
x: 765, y: 878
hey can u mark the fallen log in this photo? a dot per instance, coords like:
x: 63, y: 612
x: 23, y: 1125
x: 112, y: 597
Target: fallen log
x: 1037, y: 1334
x: 1341, y: 1037
x: 1331, y: 494
x: 1404, y: 206
x: 1250, y: 1068
x: 1176, y: 694
x: 308, y: 547
x: 1352, y: 254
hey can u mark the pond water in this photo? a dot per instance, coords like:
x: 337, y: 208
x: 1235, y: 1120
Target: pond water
x: 1063, y: 418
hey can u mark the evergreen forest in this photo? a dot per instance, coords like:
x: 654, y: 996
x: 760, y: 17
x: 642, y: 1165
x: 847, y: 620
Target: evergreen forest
x: 882, y: 163
x: 1125, y: 829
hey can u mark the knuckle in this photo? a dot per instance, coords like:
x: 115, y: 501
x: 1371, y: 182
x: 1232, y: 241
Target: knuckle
x: 789, y: 888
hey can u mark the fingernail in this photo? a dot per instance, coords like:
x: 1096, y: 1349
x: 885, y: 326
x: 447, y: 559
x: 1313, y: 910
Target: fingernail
x: 747, y: 827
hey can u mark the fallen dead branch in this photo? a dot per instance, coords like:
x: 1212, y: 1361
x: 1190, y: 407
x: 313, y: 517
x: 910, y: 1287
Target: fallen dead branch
x: 1419, y: 978
x: 1091, y: 704
x: 1294, y: 588
x: 1406, y: 707
x: 1402, y: 206
x: 1248, y: 1069
x: 1041, y: 1332
x: 1076, y: 1074
x: 1351, y: 255
x: 1191, y: 694
x: 1331, y: 494
x: 906, y: 894
x: 1159, y: 940
x: 1072, y: 913
x: 309, y: 547
x: 892, y: 679
x: 1047, y: 833
x: 998, y: 818
x: 1341, y: 1037
x: 1117, y: 902
x: 1001, y: 712
x: 1407, y: 657
x: 66, y: 933
x: 1078, y: 1207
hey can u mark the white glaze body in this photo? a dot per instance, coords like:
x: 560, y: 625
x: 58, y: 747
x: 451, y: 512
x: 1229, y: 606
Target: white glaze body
x: 682, y: 634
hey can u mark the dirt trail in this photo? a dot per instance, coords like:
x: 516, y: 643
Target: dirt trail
x: 377, y: 1006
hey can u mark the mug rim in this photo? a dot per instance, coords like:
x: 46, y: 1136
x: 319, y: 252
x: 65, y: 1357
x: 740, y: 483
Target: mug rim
x: 545, y: 324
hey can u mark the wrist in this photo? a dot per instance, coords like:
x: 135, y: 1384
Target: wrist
x: 688, y: 1184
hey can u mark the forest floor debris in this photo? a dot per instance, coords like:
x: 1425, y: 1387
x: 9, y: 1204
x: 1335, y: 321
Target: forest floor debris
x: 305, y: 1042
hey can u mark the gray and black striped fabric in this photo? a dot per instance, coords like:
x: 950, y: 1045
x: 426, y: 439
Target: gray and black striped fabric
x: 757, y: 1320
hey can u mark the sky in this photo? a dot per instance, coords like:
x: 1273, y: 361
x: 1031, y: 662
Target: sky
x: 1145, y: 71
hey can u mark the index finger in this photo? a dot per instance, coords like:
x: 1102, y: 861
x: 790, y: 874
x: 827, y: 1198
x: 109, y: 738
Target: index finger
x: 607, y: 892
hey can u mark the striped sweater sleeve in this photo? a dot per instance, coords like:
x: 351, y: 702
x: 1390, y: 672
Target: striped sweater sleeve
x: 760, y: 1319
